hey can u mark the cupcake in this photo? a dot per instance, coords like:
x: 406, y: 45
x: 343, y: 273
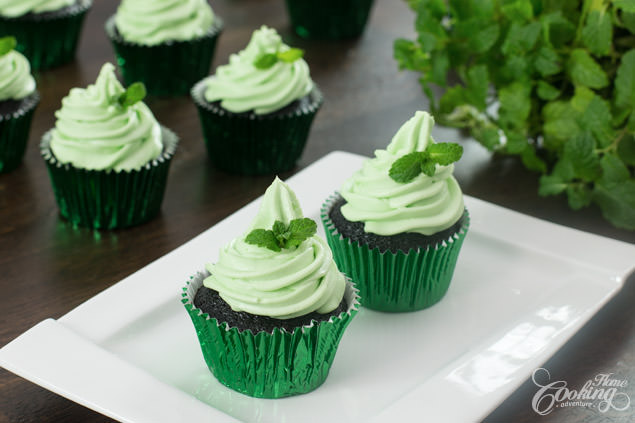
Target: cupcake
x: 18, y: 100
x: 47, y: 30
x: 107, y: 156
x: 270, y: 313
x: 398, y: 223
x: 166, y: 44
x: 328, y: 19
x: 257, y: 110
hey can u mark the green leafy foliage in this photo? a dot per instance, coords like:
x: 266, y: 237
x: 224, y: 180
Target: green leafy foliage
x: 562, y: 74
x: 411, y: 165
x: 283, y: 236
x: 267, y: 60
x: 133, y: 94
x: 7, y: 44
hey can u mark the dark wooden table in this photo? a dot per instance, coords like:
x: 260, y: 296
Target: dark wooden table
x: 47, y: 267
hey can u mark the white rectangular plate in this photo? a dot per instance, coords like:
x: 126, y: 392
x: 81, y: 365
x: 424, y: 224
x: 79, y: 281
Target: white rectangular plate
x: 521, y: 288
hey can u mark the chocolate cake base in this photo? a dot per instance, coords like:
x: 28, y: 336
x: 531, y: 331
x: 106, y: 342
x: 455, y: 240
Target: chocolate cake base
x: 211, y: 303
x: 403, y: 241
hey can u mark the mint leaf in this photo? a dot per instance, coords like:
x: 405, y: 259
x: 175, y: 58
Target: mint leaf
x: 485, y: 38
x: 617, y: 201
x: 625, y: 81
x: 266, y: 61
x: 560, y: 124
x: 532, y: 162
x: 597, y: 33
x: 580, y: 151
x: 515, y: 105
x: 521, y: 38
x: 408, y: 167
x: 625, y: 5
x: 547, y: 62
x: 488, y: 136
x: 578, y: 196
x: 444, y: 153
x: 291, y: 55
x: 628, y: 19
x: 613, y: 169
x: 626, y: 149
x: 300, y: 230
x: 547, y: 91
x: 551, y: 185
x: 135, y: 93
x: 428, y: 167
x: 585, y: 71
x: 477, y: 82
x: 518, y: 10
x: 7, y: 44
x: 263, y: 238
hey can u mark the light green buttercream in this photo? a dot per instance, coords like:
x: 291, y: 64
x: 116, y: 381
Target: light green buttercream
x: 16, y: 81
x: 153, y: 22
x: 93, y: 131
x: 285, y: 284
x: 13, y: 8
x: 242, y: 87
x: 425, y: 205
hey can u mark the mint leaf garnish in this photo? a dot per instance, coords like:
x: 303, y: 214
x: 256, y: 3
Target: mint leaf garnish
x: 266, y: 61
x: 7, y: 44
x: 283, y: 236
x: 263, y: 238
x: 408, y: 167
x: 290, y: 55
x: 269, y: 59
x: 135, y: 93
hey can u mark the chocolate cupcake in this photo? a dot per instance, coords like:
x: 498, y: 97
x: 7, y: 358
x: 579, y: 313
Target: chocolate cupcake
x: 328, y: 19
x: 270, y: 313
x: 18, y: 100
x: 166, y: 44
x: 256, y: 111
x: 397, y: 225
x: 47, y: 30
x: 108, y: 157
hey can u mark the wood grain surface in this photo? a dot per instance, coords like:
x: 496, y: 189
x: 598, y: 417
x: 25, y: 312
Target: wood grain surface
x: 47, y: 267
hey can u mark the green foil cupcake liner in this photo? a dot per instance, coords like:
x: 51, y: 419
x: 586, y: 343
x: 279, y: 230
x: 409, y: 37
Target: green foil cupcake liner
x: 47, y: 39
x: 250, y: 144
x: 106, y: 199
x: 395, y: 282
x: 166, y: 69
x: 14, y: 133
x: 268, y: 365
x: 328, y: 19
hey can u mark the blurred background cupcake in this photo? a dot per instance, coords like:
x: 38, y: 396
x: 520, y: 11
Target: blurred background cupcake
x: 108, y: 158
x: 166, y: 44
x: 270, y: 313
x: 47, y: 30
x: 18, y: 100
x: 256, y: 111
x: 328, y: 19
x: 397, y: 225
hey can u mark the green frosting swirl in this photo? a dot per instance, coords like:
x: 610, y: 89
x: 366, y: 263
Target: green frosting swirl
x: 242, y: 87
x: 425, y: 205
x: 93, y: 131
x: 285, y: 284
x: 152, y: 22
x: 14, y: 8
x: 16, y: 81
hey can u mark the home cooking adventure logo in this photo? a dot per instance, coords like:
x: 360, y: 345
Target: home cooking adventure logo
x: 603, y: 392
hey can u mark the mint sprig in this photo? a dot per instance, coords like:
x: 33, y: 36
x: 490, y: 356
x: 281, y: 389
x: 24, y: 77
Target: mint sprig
x: 134, y: 94
x: 408, y: 167
x: 267, y: 60
x: 7, y: 44
x: 283, y: 236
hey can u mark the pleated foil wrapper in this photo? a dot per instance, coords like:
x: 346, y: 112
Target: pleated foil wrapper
x: 167, y: 69
x: 250, y: 144
x: 395, y: 282
x: 328, y: 19
x: 107, y: 199
x: 268, y: 365
x: 14, y: 133
x: 47, y: 39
